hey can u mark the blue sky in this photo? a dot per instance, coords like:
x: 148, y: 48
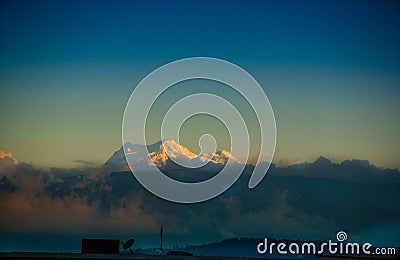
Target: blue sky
x: 331, y: 70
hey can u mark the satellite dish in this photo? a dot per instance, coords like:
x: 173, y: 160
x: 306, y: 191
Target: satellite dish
x: 128, y: 244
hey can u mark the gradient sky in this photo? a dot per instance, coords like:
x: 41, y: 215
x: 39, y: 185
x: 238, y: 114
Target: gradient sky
x: 331, y: 70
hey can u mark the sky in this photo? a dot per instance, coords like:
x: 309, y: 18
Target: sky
x: 331, y: 71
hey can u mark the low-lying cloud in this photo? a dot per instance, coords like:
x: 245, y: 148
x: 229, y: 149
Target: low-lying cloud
x: 308, y: 200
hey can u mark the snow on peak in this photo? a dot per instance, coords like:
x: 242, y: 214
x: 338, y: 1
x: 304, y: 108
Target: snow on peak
x: 161, y: 153
x: 223, y: 157
x: 171, y: 149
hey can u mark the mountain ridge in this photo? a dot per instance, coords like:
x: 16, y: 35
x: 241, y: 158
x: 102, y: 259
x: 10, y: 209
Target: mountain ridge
x: 160, y: 154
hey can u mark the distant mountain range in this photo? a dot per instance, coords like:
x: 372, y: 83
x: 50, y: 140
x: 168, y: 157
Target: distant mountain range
x: 160, y: 154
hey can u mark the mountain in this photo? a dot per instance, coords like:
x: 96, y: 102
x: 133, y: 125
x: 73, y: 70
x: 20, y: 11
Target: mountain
x: 160, y: 154
x: 117, y: 162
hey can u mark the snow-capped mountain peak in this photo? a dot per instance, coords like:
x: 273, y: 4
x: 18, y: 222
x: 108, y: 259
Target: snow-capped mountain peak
x: 175, y: 150
x: 160, y: 155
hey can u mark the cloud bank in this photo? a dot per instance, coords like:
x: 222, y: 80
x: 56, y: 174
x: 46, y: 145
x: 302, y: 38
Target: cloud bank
x: 305, y: 201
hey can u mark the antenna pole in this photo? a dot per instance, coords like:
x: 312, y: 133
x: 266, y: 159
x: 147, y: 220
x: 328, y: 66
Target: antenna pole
x: 161, y: 236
